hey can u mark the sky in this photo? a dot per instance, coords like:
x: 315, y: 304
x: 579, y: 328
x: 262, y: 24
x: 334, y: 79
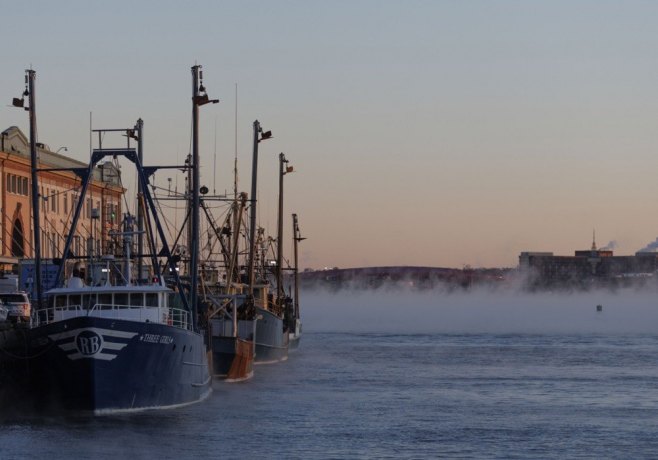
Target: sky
x: 431, y: 133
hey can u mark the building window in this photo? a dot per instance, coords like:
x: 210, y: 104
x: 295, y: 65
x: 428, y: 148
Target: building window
x: 76, y: 245
x: 66, y: 203
x: 26, y: 188
x: 111, y: 213
x: 44, y: 242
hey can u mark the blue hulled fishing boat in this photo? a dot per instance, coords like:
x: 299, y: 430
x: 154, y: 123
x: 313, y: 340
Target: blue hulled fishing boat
x: 108, y: 338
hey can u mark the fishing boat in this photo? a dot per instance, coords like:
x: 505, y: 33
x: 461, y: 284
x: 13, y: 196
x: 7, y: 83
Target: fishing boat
x: 278, y: 321
x: 271, y: 344
x: 229, y: 314
x: 271, y: 336
x: 100, y: 342
x: 232, y: 333
x: 114, y: 348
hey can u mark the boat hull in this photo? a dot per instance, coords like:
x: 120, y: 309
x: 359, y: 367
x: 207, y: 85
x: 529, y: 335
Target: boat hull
x: 104, y: 365
x: 271, y: 339
x: 232, y: 357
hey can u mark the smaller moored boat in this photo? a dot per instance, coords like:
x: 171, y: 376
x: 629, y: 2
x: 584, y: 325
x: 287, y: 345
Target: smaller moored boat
x: 232, y: 333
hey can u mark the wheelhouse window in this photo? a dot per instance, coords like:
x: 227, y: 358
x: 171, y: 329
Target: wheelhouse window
x: 88, y: 301
x: 121, y: 299
x: 151, y: 300
x: 105, y: 299
x: 136, y: 300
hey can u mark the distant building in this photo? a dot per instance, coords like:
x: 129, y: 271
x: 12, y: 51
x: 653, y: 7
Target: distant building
x: 58, y: 196
x: 545, y: 268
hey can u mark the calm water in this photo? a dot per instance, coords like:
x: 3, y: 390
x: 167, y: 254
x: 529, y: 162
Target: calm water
x: 368, y: 394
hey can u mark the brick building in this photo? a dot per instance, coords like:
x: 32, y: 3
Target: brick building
x: 59, y: 191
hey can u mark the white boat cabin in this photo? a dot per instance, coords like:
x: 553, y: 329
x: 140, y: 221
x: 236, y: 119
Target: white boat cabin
x: 142, y: 303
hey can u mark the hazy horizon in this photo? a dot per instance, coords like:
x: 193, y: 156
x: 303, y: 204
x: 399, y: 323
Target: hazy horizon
x: 479, y: 311
x: 422, y: 133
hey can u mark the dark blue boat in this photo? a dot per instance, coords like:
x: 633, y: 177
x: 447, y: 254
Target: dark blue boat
x: 105, y: 365
x: 110, y: 337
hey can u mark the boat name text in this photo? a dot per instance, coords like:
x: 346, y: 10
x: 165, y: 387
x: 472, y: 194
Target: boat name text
x: 157, y: 338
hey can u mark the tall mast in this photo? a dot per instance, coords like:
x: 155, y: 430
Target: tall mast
x: 139, y: 128
x: 30, y: 77
x: 194, y: 187
x: 199, y: 98
x: 296, y: 238
x: 283, y: 169
x: 259, y: 135
x: 235, y: 155
x: 236, y: 224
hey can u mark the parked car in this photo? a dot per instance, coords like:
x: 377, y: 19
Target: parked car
x: 18, y: 305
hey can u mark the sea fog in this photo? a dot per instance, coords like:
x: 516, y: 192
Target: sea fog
x: 405, y: 310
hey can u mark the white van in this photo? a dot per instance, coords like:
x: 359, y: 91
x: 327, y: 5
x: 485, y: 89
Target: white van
x: 18, y: 305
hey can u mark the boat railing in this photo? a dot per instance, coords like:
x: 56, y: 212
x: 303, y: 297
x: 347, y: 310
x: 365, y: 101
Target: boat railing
x: 161, y: 315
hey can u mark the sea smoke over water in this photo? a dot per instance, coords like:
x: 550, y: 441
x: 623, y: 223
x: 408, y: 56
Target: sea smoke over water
x: 610, y: 246
x: 403, y: 311
x: 653, y: 246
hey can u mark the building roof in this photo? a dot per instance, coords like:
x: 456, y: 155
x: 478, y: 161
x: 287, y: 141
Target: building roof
x: 14, y: 142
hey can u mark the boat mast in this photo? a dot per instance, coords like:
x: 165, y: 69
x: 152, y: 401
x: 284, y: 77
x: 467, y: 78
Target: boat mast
x: 30, y: 77
x: 139, y: 128
x: 199, y: 98
x: 194, y: 187
x: 283, y: 169
x: 296, y: 237
x: 259, y: 135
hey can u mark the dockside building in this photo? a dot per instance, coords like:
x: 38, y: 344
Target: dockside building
x: 545, y: 268
x: 58, y: 196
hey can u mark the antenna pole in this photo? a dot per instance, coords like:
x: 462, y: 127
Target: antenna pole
x: 235, y: 156
x: 214, y: 162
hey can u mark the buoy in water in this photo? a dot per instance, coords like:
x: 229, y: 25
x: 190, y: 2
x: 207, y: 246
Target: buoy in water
x: 599, y: 308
